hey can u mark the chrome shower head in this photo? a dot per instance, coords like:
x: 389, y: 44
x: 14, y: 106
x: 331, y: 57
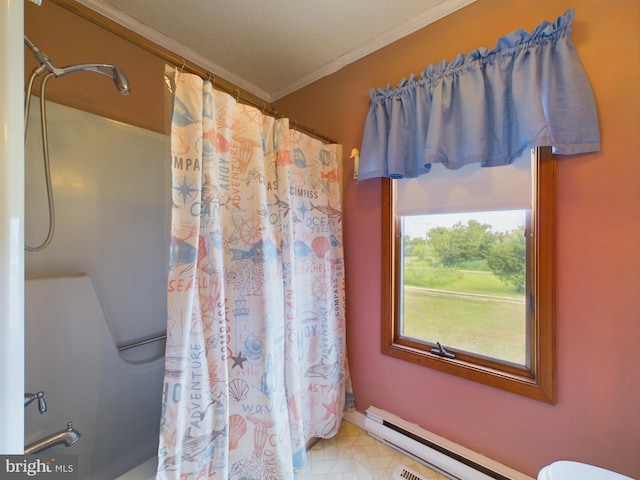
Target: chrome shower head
x: 111, y: 71
x: 120, y: 79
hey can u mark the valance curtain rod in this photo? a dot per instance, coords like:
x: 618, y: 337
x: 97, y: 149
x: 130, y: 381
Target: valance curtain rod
x: 180, y: 63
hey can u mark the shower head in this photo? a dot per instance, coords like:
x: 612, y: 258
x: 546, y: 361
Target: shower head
x: 111, y: 71
x: 120, y: 79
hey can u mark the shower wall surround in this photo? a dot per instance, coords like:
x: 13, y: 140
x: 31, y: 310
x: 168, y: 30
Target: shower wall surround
x: 112, y: 211
x: 100, y: 283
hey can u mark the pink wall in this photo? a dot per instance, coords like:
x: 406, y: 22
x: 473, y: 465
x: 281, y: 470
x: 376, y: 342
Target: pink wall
x: 597, y: 415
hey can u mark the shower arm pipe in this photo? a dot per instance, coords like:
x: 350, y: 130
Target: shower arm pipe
x: 43, y: 59
x: 170, y: 57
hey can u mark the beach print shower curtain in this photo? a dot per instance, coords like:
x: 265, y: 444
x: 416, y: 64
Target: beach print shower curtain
x: 256, y: 350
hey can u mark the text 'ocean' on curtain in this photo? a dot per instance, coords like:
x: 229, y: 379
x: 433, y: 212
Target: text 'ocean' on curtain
x: 256, y: 350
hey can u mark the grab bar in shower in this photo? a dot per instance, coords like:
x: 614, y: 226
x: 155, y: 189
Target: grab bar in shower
x: 139, y: 343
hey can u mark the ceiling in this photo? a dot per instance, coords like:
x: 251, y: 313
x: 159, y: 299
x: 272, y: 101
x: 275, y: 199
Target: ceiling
x: 273, y: 48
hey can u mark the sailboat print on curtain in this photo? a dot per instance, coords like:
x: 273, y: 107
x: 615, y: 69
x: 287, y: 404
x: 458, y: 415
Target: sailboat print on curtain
x: 256, y: 349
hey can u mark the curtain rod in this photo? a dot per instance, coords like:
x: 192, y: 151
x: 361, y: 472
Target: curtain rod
x: 181, y: 63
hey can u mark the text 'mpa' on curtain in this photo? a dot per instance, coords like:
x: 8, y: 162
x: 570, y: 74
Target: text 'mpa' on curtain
x: 256, y: 350
x: 488, y: 106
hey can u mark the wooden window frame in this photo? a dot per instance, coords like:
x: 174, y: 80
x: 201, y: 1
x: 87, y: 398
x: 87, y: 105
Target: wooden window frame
x: 537, y: 380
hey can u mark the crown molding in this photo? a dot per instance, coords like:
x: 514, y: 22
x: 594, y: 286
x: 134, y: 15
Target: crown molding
x: 429, y: 16
x: 433, y: 14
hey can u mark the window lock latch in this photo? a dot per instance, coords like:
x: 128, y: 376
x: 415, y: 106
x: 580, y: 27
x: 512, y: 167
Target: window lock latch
x: 442, y: 352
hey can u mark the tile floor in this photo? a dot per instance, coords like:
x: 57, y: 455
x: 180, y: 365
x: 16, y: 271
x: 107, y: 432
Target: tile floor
x: 354, y: 455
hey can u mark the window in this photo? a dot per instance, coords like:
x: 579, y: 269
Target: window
x: 472, y: 290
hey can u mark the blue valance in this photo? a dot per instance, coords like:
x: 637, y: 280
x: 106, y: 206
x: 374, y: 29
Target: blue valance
x: 488, y: 106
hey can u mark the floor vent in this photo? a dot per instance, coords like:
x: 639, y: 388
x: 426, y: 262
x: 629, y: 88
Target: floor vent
x: 445, y: 456
x: 404, y: 473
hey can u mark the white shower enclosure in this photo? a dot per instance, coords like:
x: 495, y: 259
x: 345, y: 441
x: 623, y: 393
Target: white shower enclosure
x: 100, y: 284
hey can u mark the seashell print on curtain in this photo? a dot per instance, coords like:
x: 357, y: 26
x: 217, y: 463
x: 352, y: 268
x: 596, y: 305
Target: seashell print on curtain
x: 256, y: 350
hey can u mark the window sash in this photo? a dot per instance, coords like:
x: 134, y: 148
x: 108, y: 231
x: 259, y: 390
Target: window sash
x: 458, y: 349
x: 535, y: 380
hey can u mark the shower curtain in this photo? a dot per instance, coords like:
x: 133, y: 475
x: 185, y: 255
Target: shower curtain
x: 256, y: 351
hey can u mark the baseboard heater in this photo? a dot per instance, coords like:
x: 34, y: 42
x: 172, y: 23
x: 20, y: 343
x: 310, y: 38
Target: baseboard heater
x: 445, y: 456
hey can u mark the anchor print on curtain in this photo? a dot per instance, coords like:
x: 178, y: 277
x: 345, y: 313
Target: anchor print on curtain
x: 256, y: 351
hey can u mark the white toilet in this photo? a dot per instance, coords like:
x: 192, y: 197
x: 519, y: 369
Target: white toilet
x: 566, y: 470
